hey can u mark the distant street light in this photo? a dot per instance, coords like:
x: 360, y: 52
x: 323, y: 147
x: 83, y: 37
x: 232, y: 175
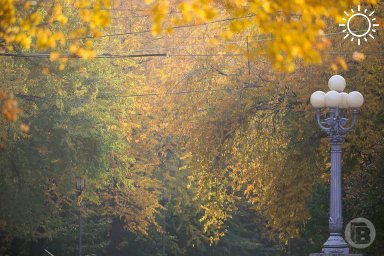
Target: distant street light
x: 80, y: 186
x: 334, y: 126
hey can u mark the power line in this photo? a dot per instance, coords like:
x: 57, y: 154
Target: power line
x: 186, y: 46
x: 121, y: 56
x: 124, y: 9
x: 102, y: 56
x: 235, y: 55
x: 139, y: 16
x: 225, y: 42
x: 178, y: 27
x: 107, y: 97
x: 206, y: 55
x: 133, y: 55
x: 130, y: 17
x: 177, y: 92
x: 148, y: 30
x: 194, y: 25
x: 259, y: 39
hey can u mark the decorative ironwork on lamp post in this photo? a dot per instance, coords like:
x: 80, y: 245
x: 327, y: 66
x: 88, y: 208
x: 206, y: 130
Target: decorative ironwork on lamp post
x: 335, y: 126
x: 80, y: 186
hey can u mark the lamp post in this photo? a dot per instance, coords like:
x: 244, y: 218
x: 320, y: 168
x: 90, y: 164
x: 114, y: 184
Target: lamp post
x: 80, y: 186
x: 335, y: 126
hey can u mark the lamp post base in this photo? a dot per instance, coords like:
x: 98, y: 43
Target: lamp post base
x: 336, y: 245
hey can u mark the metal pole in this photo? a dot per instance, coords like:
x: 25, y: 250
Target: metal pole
x: 164, y: 233
x: 334, y: 127
x: 335, y: 242
x: 336, y: 219
x: 80, y: 229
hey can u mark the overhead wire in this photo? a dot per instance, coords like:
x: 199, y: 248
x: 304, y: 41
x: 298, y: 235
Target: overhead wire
x: 148, y: 30
x: 134, y: 55
x: 101, y: 56
x: 177, y: 92
x: 107, y: 97
x: 261, y: 39
x: 123, y: 56
x: 174, y: 27
x: 183, y: 46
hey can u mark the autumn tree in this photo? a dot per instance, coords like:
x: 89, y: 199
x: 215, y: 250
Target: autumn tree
x: 293, y: 30
x: 76, y: 124
x: 248, y: 131
x: 43, y: 26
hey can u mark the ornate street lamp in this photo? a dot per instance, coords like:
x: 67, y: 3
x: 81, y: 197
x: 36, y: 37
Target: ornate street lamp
x: 80, y: 186
x: 335, y: 126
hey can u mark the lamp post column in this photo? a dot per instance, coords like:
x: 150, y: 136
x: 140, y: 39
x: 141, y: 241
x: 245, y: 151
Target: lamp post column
x: 335, y: 242
x: 80, y: 230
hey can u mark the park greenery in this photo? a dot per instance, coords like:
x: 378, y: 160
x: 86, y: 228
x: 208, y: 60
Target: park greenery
x: 190, y: 122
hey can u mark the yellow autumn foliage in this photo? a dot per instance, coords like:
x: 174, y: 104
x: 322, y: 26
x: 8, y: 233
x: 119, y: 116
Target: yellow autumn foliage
x: 27, y: 26
x: 42, y: 26
x: 294, y: 27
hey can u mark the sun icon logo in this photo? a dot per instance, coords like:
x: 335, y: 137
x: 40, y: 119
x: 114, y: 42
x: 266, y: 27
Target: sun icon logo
x: 361, y: 33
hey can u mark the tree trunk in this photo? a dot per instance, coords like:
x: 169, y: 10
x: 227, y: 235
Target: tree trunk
x: 116, y: 237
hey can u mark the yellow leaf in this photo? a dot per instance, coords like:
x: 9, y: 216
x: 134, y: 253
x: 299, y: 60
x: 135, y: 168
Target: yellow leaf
x: 27, y: 5
x: 210, y: 14
x: 169, y: 30
x: 213, y: 41
x: 45, y: 71
x: 334, y: 67
x: 54, y: 56
x: 85, y: 15
x: 342, y: 63
x: 185, y: 7
x: 156, y: 29
x: 267, y: 6
x: 24, y: 128
x: 358, y: 56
